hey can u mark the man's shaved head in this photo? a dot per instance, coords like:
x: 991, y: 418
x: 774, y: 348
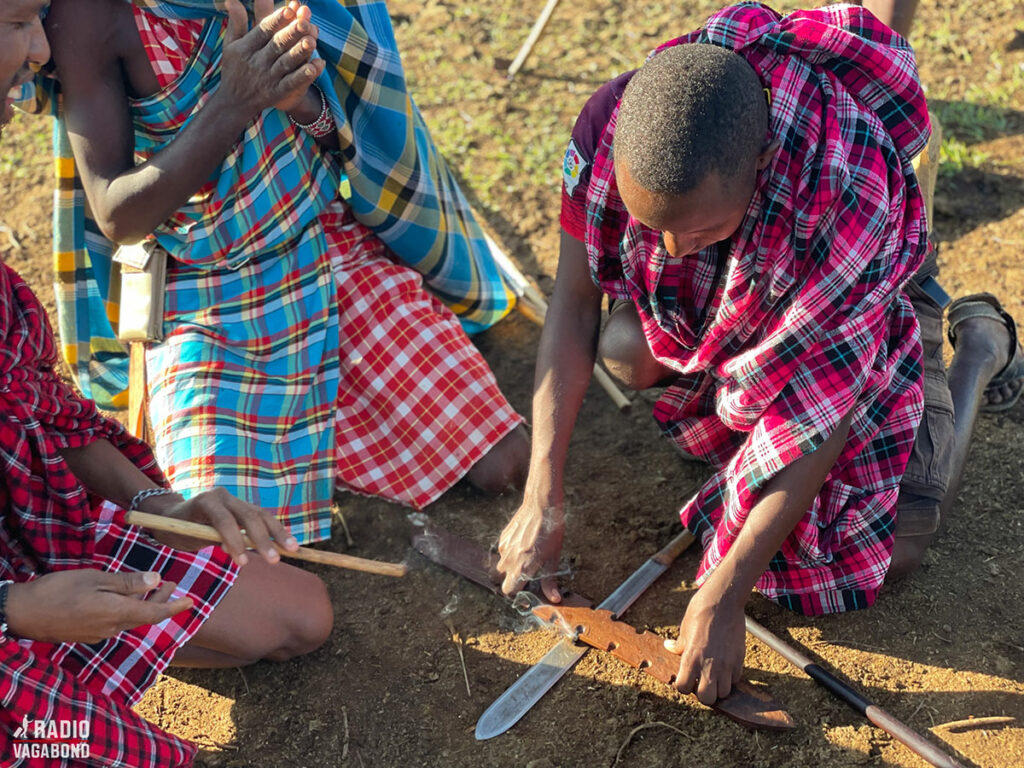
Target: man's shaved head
x: 691, y: 110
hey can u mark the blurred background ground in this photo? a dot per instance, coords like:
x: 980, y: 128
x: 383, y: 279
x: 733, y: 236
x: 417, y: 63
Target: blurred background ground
x: 388, y: 688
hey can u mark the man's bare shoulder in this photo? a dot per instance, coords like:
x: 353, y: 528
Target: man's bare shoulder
x: 85, y: 29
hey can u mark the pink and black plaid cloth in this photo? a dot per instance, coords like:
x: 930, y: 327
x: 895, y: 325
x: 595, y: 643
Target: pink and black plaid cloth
x: 800, y: 318
x: 49, y: 523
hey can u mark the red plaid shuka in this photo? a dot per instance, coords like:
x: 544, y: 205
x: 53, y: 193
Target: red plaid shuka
x: 802, y: 317
x: 49, y: 523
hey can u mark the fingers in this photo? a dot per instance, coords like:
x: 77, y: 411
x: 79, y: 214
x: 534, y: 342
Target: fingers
x: 302, y: 76
x: 238, y: 22
x: 549, y: 586
x: 293, y: 55
x: 259, y: 520
x: 688, y: 675
x: 518, y: 568
x: 713, y: 684
x: 128, y: 582
x: 129, y: 612
x: 135, y: 613
x: 266, y: 26
x: 513, y: 580
x: 163, y: 592
x: 262, y: 528
x: 707, y: 678
x: 291, y: 47
x: 283, y: 28
x: 232, y: 541
x: 231, y: 516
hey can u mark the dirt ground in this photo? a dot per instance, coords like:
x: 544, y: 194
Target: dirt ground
x: 389, y: 687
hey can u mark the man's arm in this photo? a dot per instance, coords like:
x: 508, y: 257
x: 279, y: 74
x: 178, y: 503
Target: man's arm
x: 108, y: 473
x: 532, y: 541
x: 711, y: 635
x: 264, y: 66
x: 85, y: 605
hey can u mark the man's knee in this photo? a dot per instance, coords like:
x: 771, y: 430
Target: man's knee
x: 625, y: 353
x: 504, y: 467
x: 307, y: 619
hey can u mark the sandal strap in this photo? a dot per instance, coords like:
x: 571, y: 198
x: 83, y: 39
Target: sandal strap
x: 982, y: 305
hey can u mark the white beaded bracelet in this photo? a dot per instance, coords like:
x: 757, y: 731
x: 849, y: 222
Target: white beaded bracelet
x: 324, y: 123
x: 147, y: 493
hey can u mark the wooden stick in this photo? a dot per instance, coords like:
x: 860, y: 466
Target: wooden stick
x: 207, y: 533
x: 535, y: 32
x: 843, y: 690
x: 976, y: 723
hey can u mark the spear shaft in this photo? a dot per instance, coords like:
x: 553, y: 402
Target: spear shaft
x: 843, y: 690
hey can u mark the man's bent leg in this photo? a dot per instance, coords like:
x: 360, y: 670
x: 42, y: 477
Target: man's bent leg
x: 933, y: 476
x: 505, y: 466
x: 272, y: 612
x: 625, y: 353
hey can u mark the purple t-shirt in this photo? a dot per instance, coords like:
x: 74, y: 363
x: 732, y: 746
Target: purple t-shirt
x: 579, y: 155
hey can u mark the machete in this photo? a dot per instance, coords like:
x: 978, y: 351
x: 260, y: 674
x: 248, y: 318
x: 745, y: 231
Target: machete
x: 508, y: 708
x: 749, y: 706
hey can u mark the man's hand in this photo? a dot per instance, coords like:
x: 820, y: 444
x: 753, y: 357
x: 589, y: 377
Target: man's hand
x: 86, y: 606
x: 531, y: 544
x: 711, y: 645
x: 229, y: 515
x: 271, y: 64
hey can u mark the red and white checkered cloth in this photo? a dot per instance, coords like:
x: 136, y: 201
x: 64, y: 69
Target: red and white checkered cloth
x: 417, y: 404
x: 168, y: 42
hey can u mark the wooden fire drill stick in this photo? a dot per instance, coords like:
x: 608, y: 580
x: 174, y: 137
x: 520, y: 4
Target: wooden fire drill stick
x: 208, y: 533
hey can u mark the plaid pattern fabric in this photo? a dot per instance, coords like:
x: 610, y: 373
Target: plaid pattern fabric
x: 250, y: 390
x: 393, y: 177
x: 169, y: 43
x: 417, y: 404
x: 243, y: 387
x: 50, y: 523
x: 86, y: 281
x: 804, y: 319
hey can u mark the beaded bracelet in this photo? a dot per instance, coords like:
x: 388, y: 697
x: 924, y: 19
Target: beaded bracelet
x: 324, y: 123
x: 147, y: 493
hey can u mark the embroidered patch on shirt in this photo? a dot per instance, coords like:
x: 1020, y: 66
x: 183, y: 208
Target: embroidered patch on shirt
x: 572, y: 167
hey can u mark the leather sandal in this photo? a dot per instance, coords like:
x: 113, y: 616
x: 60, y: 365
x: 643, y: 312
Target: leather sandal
x: 988, y: 306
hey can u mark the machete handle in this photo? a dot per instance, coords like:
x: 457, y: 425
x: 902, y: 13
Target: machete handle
x: 667, y: 554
